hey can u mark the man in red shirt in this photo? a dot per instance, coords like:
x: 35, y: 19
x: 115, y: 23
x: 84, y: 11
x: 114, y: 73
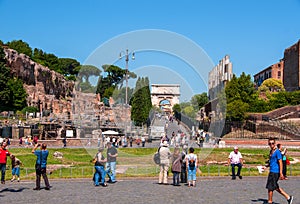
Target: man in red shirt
x: 4, y: 153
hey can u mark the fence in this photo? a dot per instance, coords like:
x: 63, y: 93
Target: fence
x: 147, y: 171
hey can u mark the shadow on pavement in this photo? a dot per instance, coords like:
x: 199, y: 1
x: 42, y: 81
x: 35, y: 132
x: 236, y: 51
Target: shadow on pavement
x: 265, y: 201
x: 12, y: 190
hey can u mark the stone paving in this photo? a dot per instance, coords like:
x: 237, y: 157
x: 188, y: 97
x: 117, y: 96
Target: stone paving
x: 137, y: 190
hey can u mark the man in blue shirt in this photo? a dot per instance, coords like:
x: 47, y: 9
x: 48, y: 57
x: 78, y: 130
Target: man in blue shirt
x: 275, y: 164
x: 40, y: 165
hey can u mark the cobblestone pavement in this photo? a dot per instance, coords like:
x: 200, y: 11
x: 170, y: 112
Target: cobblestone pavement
x: 208, y: 190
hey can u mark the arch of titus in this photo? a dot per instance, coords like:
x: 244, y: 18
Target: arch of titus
x: 165, y: 92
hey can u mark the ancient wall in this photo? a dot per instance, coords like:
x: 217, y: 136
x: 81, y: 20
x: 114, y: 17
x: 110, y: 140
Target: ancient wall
x: 291, y: 73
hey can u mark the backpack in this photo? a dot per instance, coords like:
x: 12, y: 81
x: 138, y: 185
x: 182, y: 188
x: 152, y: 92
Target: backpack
x: 156, y: 157
x: 192, y: 163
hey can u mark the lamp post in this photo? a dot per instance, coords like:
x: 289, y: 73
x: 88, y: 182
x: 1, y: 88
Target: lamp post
x: 127, y: 54
x: 126, y: 72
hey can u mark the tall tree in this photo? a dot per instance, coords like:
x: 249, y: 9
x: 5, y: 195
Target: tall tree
x: 239, y: 91
x: 4, y: 77
x: 141, y: 102
x: 18, y: 94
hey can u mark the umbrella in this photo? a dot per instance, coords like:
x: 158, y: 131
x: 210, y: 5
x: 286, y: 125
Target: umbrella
x: 110, y: 132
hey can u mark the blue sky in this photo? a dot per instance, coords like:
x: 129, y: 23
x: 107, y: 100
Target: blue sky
x: 254, y: 33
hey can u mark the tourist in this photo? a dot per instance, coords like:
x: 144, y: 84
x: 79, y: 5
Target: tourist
x: 183, y: 174
x: 112, y: 155
x: 64, y: 141
x: 284, y: 158
x: 15, y: 168
x: 191, y: 166
x: 275, y: 164
x: 99, y: 167
x: 235, y: 159
x: 41, y: 165
x: 176, y: 166
x: 165, y: 154
x: 4, y: 153
x: 143, y: 139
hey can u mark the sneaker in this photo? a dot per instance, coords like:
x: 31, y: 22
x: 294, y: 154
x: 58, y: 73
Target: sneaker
x: 233, y: 178
x: 12, y: 180
x: 2, y: 182
x: 18, y: 179
x: 290, y: 200
x: 36, y: 189
x: 47, y: 188
x: 240, y: 177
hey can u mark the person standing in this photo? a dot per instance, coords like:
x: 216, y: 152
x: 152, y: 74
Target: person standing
x: 15, y: 165
x: 183, y: 173
x: 4, y: 153
x: 275, y: 173
x: 176, y: 166
x: 99, y: 167
x: 235, y: 159
x: 164, y: 154
x: 112, y: 155
x: 143, y: 139
x: 191, y: 165
x: 64, y: 141
x: 41, y: 165
x: 283, y: 153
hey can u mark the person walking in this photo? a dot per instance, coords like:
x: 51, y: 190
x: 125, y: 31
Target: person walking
x: 15, y: 167
x: 235, y: 159
x: 164, y: 154
x: 112, y: 155
x: 99, y: 167
x: 275, y: 173
x: 4, y: 153
x: 176, y: 166
x: 41, y: 165
x: 191, y: 165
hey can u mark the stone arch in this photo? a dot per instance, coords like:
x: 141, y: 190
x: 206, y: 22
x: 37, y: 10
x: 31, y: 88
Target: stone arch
x: 165, y: 92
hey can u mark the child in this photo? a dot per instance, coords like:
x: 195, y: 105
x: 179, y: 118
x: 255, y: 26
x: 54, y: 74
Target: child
x: 15, y: 164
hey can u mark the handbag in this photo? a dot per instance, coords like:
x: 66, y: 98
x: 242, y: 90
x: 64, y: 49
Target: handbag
x: 156, y: 157
x: 288, y: 161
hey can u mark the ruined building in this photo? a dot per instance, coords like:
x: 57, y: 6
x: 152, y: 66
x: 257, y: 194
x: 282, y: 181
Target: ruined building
x: 291, y: 73
x: 218, y: 77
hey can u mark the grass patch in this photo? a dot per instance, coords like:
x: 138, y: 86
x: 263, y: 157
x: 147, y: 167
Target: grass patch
x: 138, y: 162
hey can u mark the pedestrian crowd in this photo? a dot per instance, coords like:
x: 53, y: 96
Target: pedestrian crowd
x: 183, y: 162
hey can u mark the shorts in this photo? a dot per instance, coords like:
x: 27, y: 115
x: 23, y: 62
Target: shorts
x: 15, y: 171
x: 272, y: 183
x: 192, y: 174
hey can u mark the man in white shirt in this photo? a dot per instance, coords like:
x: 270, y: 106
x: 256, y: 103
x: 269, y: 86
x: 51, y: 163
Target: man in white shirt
x: 235, y: 159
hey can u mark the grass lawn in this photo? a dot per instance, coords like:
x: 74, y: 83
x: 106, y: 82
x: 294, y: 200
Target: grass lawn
x: 138, y: 162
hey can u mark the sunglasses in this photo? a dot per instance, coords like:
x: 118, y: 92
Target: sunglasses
x: 271, y: 143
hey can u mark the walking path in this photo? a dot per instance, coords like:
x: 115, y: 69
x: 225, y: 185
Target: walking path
x: 208, y: 190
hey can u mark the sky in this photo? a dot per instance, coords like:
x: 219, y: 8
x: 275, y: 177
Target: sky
x: 175, y: 42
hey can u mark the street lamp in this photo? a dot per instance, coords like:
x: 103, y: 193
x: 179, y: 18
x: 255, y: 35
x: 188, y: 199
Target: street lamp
x: 126, y: 72
x: 127, y: 54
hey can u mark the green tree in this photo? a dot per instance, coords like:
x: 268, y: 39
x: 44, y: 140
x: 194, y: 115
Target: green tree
x: 199, y: 100
x: 176, y: 108
x: 189, y: 111
x: 68, y: 65
x: 18, y: 94
x: 88, y: 70
x: 4, y: 77
x: 141, y: 102
x: 20, y: 47
x: 239, y: 91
